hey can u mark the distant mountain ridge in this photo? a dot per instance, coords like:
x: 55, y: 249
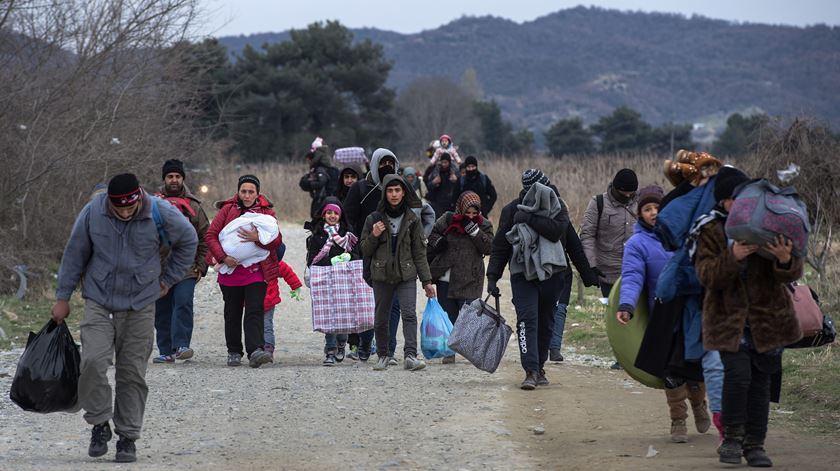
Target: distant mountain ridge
x: 586, y: 61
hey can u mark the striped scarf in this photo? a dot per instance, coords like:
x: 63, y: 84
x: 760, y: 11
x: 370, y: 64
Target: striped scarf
x: 347, y: 242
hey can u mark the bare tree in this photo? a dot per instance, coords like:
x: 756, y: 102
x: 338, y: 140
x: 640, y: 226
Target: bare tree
x: 88, y: 88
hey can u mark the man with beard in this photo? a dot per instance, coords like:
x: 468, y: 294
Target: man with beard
x: 479, y: 183
x: 174, y: 312
x: 442, y: 181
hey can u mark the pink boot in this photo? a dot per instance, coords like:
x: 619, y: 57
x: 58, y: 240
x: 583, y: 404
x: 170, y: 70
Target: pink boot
x: 718, y: 425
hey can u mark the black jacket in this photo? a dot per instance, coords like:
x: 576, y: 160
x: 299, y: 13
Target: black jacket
x: 480, y: 185
x: 321, y: 180
x: 552, y: 229
x: 317, y: 240
x: 362, y: 199
x: 575, y: 254
x: 441, y: 196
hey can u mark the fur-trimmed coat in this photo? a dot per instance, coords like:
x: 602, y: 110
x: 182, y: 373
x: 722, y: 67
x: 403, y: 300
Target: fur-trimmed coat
x: 739, y: 292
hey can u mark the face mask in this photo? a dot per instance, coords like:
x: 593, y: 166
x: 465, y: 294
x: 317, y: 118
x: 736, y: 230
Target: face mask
x: 386, y: 170
x: 472, y: 173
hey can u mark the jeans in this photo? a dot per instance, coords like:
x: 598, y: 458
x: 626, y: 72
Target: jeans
x: 127, y: 337
x: 713, y: 377
x: 174, y: 317
x: 251, y: 297
x: 384, y: 294
x: 746, y: 390
x: 393, y: 326
x: 331, y: 342
x: 559, y: 325
x: 452, y: 306
x: 535, y: 302
x: 268, y: 327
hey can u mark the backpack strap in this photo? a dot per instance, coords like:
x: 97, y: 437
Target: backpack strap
x: 164, y: 241
x: 599, y: 202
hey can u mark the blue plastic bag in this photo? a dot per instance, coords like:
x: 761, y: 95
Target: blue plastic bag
x: 434, y: 331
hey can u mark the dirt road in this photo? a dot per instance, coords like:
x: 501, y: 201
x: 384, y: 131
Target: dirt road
x: 296, y: 414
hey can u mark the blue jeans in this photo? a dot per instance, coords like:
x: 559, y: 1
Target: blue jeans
x: 559, y: 325
x: 331, y: 341
x: 393, y: 326
x: 713, y: 377
x: 174, y: 317
x: 268, y: 327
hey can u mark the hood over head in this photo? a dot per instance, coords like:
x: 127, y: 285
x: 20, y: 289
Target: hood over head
x: 410, y: 198
x: 377, y: 156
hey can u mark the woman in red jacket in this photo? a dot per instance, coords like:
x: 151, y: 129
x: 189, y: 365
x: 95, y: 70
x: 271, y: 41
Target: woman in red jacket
x: 246, y: 286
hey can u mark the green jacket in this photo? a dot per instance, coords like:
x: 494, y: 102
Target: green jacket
x: 409, y: 261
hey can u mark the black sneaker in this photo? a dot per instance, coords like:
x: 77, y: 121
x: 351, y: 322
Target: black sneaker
x: 364, y: 353
x: 616, y: 366
x: 339, y: 354
x: 555, y: 355
x: 730, y: 451
x: 126, y: 451
x: 329, y: 360
x: 99, y: 438
x: 530, y: 382
x: 757, y: 458
x: 541, y: 379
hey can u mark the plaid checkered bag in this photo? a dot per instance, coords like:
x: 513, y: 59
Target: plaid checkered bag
x: 351, y: 155
x: 342, y: 303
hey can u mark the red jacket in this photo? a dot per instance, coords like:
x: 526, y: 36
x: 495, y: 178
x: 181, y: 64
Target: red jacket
x: 272, y: 293
x: 229, y: 211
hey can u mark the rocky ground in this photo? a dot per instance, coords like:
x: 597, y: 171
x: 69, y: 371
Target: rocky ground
x: 297, y: 414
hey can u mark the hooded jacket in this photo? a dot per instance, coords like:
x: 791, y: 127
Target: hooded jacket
x: 341, y: 190
x: 199, y: 221
x: 603, y: 238
x: 365, y: 195
x: 442, y: 195
x: 408, y: 260
x: 321, y: 180
x: 463, y: 257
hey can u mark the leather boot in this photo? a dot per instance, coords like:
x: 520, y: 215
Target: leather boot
x: 530, y: 382
x: 733, y: 440
x: 697, y: 397
x: 679, y: 412
x: 755, y: 454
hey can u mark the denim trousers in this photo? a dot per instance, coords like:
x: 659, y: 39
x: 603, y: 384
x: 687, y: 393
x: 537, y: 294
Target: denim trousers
x: 174, y: 317
x: 559, y: 325
x: 331, y: 342
x: 268, y: 327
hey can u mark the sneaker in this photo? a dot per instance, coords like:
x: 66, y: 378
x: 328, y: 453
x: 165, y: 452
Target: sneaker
x: 329, y: 360
x: 530, y: 382
x: 730, y: 452
x: 269, y: 348
x: 381, y: 364
x: 354, y: 353
x: 234, y: 359
x: 616, y: 366
x: 99, y: 438
x: 364, y: 354
x: 339, y: 354
x: 163, y: 359
x: 184, y: 353
x: 126, y: 451
x: 448, y: 360
x: 555, y: 355
x: 541, y: 379
x: 393, y: 361
x: 757, y: 457
x: 258, y: 358
x: 412, y: 363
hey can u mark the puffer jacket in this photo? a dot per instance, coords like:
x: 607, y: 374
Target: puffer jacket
x: 272, y: 291
x: 603, y: 241
x: 463, y: 257
x: 740, y: 293
x: 409, y: 260
x: 644, y: 259
x: 232, y: 209
x: 198, y: 218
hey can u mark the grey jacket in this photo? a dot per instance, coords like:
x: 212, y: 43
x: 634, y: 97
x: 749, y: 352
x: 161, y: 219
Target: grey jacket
x: 118, y: 261
x: 534, y: 255
x: 603, y: 241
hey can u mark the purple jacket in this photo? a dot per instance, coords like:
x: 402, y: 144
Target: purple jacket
x: 644, y: 259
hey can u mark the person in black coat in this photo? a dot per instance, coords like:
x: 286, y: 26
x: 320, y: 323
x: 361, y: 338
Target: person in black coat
x: 442, y: 181
x: 364, y: 196
x: 477, y: 182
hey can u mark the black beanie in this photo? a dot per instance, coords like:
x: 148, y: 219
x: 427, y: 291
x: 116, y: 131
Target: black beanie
x: 471, y: 160
x: 124, y: 190
x: 728, y: 178
x: 446, y: 156
x: 248, y: 179
x: 625, y: 180
x: 173, y: 166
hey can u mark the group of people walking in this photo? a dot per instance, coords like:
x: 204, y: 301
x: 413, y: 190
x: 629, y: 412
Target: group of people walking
x: 723, y: 345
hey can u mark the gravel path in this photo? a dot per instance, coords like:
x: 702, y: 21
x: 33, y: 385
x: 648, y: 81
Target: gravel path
x: 296, y: 414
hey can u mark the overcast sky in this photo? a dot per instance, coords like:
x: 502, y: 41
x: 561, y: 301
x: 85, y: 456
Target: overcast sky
x: 233, y: 17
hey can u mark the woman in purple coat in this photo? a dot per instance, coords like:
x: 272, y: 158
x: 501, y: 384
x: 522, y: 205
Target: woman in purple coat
x: 644, y: 260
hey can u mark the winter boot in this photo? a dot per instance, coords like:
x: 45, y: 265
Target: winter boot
x: 679, y: 412
x: 697, y: 398
x: 732, y: 449
x: 754, y: 453
x: 530, y: 382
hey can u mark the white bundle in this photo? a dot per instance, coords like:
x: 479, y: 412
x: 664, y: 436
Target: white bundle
x: 248, y: 253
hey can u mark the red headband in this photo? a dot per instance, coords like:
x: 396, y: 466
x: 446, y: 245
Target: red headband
x: 128, y: 199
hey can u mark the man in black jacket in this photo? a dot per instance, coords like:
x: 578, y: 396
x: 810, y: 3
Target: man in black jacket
x: 442, y: 181
x: 479, y: 183
x: 321, y: 180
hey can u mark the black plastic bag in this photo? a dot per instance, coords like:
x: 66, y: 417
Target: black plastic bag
x: 47, y: 376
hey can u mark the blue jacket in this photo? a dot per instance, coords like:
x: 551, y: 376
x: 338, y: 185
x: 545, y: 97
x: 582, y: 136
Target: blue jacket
x: 643, y: 261
x: 119, y: 261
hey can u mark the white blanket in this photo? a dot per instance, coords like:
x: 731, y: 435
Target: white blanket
x: 248, y: 253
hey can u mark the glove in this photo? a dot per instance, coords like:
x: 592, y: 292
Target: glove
x: 521, y: 216
x: 589, y: 277
x: 295, y: 294
x: 598, y: 272
x: 492, y: 288
x: 471, y: 229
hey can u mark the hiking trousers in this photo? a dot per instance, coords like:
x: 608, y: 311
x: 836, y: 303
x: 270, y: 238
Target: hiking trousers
x: 129, y: 337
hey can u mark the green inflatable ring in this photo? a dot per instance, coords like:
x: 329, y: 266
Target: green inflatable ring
x: 625, y: 340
